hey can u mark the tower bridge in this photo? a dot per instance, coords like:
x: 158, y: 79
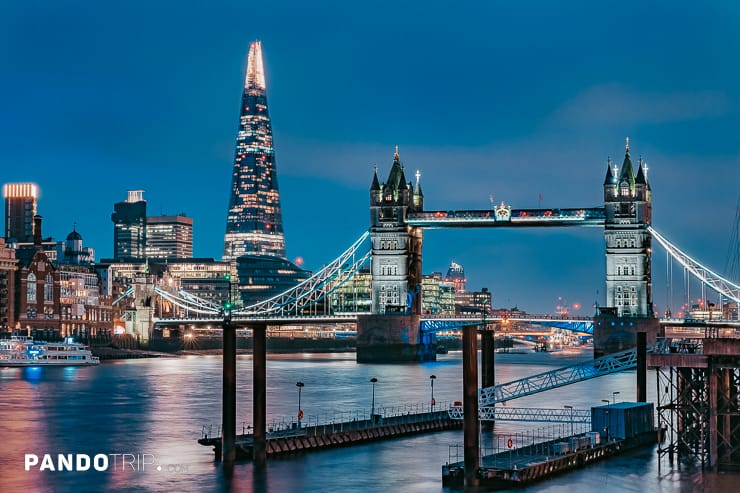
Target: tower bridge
x: 396, y: 330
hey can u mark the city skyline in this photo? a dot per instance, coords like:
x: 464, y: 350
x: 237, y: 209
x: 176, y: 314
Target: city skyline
x: 478, y: 105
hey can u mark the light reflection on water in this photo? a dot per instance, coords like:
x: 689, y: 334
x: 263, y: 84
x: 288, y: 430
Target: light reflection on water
x: 159, y: 407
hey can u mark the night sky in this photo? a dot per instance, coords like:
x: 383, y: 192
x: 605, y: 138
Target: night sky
x: 513, y: 99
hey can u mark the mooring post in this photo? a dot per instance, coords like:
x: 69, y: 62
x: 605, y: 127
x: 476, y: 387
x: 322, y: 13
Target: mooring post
x: 228, y: 429
x: 488, y: 349
x: 471, y: 427
x: 259, y: 386
x: 641, y: 367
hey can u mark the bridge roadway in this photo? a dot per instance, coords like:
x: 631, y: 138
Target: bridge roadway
x: 436, y: 323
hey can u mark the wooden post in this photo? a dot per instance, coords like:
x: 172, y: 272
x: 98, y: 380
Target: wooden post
x: 228, y: 430
x: 259, y: 386
x: 641, y: 367
x: 471, y: 426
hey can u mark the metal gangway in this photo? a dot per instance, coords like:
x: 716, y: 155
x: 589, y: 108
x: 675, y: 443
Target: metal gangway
x: 567, y: 375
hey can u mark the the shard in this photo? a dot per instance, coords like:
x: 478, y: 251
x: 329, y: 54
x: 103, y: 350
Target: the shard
x: 254, y: 224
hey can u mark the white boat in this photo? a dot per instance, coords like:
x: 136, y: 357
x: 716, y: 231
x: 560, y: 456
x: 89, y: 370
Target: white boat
x: 24, y: 351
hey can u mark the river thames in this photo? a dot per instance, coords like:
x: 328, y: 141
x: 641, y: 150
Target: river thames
x: 154, y: 410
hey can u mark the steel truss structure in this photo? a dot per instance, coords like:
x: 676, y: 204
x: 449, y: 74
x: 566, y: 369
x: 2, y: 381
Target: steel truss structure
x: 503, y: 413
x: 683, y: 414
x: 699, y: 414
x: 612, y: 363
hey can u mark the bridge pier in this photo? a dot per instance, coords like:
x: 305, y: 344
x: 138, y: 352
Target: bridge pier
x: 259, y: 389
x: 471, y: 424
x: 613, y: 334
x: 393, y: 339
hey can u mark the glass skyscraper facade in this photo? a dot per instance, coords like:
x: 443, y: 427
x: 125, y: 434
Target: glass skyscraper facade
x: 254, y: 224
x: 129, y: 227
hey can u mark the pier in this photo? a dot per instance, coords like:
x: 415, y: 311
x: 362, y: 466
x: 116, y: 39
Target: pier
x: 533, y: 463
x: 289, y: 437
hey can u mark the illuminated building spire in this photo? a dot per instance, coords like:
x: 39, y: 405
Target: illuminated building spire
x: 254, y: 224
x: 254, y: 82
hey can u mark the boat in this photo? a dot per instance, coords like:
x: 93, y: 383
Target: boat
x: 24, y: 351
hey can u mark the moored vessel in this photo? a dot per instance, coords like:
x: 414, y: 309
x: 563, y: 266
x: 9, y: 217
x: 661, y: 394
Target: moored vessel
x: 24, y: 351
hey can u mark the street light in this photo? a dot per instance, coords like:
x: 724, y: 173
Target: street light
x: 300, y: 385
x: 431, y: 379
x: 608, y: 419
x: 571, y: 418
x: 614, y: 397
x: 372, y: 407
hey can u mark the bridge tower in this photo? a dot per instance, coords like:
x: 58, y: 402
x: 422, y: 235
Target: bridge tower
x: 396, y: 256
x: 391, y: 333
x: 629, y: 304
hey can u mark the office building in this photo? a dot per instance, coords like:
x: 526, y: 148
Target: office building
x: 169, y: 237
x: 20, y: 207
x: 129, y: 227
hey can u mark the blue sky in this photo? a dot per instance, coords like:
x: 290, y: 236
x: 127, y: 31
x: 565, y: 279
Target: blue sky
x: 513, y: 99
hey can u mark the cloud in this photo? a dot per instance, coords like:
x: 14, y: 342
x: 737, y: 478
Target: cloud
x: 619, y: 105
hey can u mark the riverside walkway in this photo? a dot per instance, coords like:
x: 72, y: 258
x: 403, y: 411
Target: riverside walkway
x: 339, y: 430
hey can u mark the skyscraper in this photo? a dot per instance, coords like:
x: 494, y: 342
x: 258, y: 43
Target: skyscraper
x: 254, y: 224
x: 20, y: 207
x: 129, y: 227
x: 169, y: 237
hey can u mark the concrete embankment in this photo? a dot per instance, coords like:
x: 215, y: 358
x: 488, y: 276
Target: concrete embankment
x: 109, y: 353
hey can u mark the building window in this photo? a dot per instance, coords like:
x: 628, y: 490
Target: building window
x: 31, y: 287
x: 49, y: 288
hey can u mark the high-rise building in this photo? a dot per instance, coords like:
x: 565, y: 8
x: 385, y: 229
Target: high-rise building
x: 20, y: 207
x: 169, y: 237
x: 254, y: 224
x: 129, y: 227
x: 456, y: 274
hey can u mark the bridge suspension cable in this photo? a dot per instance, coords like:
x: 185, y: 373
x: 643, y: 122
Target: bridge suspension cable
x: 128, y: 292
x: 316, y: 287
x: 726, y: 288
x: 187, y: 305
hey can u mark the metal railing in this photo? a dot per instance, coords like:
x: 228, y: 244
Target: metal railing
x: 538, y: 441
x: 502, y: 413
x: 341, y: 421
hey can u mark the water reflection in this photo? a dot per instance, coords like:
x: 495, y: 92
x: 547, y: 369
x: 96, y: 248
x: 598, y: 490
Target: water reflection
x: 159, y: 407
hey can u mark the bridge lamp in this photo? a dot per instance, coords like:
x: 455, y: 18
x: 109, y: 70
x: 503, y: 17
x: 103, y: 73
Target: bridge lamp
x: 614, y: 397
x: 300, y: 385
x: 608, y: 419
x: 431, y: 379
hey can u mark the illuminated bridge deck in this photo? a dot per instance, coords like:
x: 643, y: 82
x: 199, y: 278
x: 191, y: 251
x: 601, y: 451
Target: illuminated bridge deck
x: 492, y: 218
